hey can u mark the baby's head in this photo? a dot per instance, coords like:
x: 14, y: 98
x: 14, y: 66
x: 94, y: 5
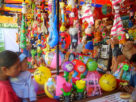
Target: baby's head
x: 23, y: 60
x: 9, y: 64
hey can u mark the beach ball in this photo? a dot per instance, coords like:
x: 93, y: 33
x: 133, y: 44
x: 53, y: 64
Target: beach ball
x: 42, y: 74
x: 108, y: 82
x: 51, y: 57
x: 91, y: 65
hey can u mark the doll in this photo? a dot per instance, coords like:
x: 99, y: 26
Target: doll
x: 74, y: 37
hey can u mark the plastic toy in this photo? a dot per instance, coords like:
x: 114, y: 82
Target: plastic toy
x: 23, y: 32
x: 50, y: 59
x: 92, y: 84
x: 92, y: 65
x: 65, y: 40
x: 67, y: 89
x: 79, y: 69
x: 67, y: 67
x: 108, y: 82
x: 42, y: 74
x: 53, y: 37
x: 80, y: 87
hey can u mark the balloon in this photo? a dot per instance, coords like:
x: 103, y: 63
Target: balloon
x: 80, y: 67
x: 49, y: 88
x: 53, y: 37
x: 108, y: 82
x: 68, y: 66
x: 36, y: 86
x: 42, y: 74
x: 92, y: 65
x: 50, y: 59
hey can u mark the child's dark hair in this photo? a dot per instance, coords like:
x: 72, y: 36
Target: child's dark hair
x: 133, y: 58
x: 8, y: 58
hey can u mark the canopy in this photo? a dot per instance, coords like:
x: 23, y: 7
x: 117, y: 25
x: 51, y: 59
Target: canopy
x: 15, y: 1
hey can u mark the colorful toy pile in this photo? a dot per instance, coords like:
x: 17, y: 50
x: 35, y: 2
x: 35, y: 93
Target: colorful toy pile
x: 82, y: 37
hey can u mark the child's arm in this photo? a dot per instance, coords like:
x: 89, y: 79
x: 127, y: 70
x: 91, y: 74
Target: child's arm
x: 32, y: 93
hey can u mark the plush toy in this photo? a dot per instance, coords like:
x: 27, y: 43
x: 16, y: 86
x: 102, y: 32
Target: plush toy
x: 97, y: 36
x: 87, y: 14
x: 116, y: 53
x: 117, y: 24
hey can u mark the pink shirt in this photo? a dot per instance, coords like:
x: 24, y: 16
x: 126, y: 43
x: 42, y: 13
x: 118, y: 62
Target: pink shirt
x: 6, y: 93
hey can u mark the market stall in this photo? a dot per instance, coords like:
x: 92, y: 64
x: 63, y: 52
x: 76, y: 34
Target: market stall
x: 88, y: 44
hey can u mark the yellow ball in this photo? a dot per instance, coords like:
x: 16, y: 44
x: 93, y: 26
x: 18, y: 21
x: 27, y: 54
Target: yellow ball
x: 42, y: 74
x: 108, y: 82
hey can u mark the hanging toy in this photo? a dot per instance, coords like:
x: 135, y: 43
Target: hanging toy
x: 42, y: 5
x: 62, y: 28
x: 117, y: 24
x: 23, y: 30
x: 53, y: 37
x: 67, y: 67
x: 43, y: 27
x: 65, y: 40
x: 87, y: 14
x: 74, y: 37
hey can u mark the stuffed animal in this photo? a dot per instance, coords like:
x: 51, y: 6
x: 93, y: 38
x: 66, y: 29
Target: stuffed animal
x: 117, y: 56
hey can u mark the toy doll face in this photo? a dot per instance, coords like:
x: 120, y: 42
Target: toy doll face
x: 69, y: 67
x: 81, y: 68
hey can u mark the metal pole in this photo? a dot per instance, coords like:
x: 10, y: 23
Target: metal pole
x: 57, y: 59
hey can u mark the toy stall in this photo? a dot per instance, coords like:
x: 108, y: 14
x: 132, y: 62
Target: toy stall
x: 78, y: 50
